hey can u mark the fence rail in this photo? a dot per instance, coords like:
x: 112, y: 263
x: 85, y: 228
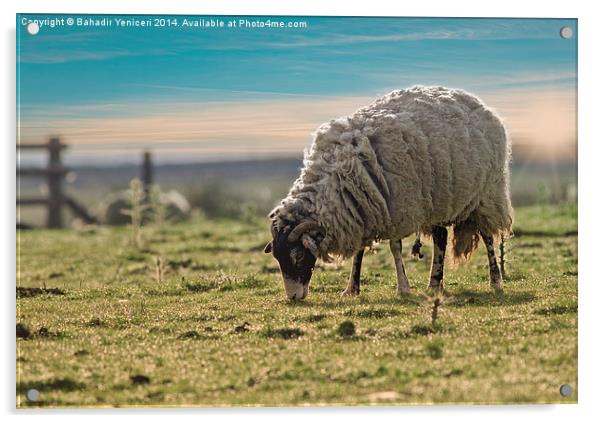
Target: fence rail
x: 34, y: 171
x: 55, y: 174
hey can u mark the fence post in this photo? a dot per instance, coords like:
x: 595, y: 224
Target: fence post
x: 55, y: 184
x: 147, y: 171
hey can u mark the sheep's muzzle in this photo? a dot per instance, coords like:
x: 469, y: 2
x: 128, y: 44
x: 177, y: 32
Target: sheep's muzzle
x: 295, y: 290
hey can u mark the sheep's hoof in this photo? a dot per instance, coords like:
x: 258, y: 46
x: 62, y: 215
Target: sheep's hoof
x: 435, y: 287
x: 403, y: 292
x: 350, y: 292
x: 497, y: 288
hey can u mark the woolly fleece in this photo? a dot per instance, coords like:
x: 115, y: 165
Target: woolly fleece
x: 411, y: 160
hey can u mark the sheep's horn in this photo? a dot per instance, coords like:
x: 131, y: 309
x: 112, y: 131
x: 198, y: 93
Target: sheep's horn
x: 274, y: 231
x: 302, y: 228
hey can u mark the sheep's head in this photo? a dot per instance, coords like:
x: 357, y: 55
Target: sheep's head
x: 296, y: 250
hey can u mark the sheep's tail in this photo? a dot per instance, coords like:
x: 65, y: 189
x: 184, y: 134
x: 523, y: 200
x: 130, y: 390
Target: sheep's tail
x: 465, y: 240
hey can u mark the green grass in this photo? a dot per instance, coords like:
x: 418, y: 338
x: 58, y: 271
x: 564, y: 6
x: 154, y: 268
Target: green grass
x: 101, y: 330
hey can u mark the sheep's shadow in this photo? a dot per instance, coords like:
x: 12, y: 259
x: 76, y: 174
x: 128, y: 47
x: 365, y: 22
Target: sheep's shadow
x: 412, y: 300
x: 461, y: 298
x: 467, y: 298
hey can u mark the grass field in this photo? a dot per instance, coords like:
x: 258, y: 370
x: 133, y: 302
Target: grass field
x: 198, y: 317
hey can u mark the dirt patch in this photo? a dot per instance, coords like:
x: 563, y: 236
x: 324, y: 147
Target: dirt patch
x: 23, y: 292
x: 283, y: 333
x: 421, y: 330
x: 374, y: 313
x: 44, y: 332
x: 23, y: 331
x: 557, y: 310
x: 346, y: 329
x: 242, y: 328
x: 95, y: 322
x: 191, y: 334
x: 316, y: 318
x: 140, y: 379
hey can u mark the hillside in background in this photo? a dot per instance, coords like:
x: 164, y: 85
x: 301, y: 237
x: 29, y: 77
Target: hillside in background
x: 229, y: 189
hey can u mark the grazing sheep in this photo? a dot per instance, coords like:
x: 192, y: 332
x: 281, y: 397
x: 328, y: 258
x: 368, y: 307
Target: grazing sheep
x: 414, y: 161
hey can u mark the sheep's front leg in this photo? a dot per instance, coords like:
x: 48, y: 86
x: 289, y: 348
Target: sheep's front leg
x: 495, y: 276
x: 353, y: 287
x: 403, y: 285
x: 440, y: 244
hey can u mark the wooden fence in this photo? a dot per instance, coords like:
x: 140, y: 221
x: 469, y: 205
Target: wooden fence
x: 55, y: 174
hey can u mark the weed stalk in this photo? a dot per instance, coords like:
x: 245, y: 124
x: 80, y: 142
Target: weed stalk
x: 136, y: 212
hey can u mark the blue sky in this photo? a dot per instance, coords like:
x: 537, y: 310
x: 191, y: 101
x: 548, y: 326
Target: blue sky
x: 210, y: 93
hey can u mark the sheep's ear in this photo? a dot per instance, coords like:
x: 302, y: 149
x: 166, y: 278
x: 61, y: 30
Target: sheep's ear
x: 268, y: 248
x: 309, y: 243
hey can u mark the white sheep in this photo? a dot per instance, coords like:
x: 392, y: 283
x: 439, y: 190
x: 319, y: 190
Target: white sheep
x: 413, y: 161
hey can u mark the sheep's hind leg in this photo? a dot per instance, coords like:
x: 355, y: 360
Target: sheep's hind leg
x: 495, y: 276
x: 353, y: 287
x: 439, y: 246
x: 403, y: 285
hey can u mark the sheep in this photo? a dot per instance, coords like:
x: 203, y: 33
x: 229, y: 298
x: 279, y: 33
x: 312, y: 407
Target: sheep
x: 417, y: 160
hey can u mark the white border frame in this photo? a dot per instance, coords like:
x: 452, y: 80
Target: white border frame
x: 590, y: 291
